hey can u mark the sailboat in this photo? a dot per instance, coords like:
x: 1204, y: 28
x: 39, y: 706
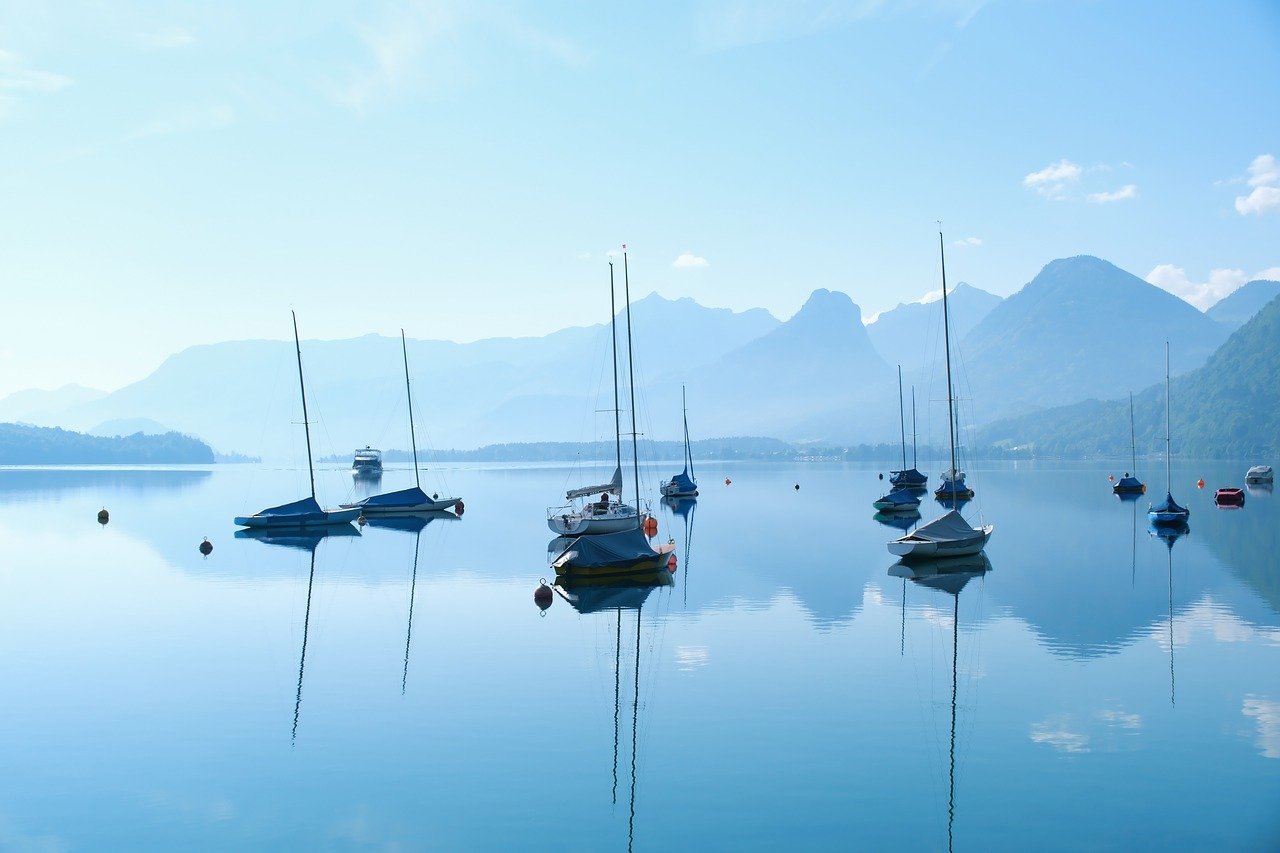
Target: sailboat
x: 1167, y: 513
x: 1129, y: 484
x: 950, y: 535
x: 908, y: 478
x: 902, y: 497
x: 603, y: 516
x: 683, y: 485
x: 404, y: 500
x: 305, y: 512
x: 585, y: 554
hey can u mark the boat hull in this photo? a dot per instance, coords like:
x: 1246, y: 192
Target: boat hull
x: 908, y: 548
x: 579, y: 523
x: 402, y: 509
x: 1168, y: 519
x: 670, y: 490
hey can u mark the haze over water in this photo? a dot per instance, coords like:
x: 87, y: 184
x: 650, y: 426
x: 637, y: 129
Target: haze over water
x: 1108, y: 693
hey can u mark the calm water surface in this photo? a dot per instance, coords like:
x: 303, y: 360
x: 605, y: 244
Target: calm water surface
x: 1094, y: 689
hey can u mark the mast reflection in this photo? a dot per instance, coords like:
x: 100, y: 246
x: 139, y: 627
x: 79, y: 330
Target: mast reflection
x: 1170, y: 535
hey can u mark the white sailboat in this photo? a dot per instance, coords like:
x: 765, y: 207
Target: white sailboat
x: 950, y: 535
x: 603, y: 516
x: 411, y: 499
x: 683, y: 485
x: 305, y: 512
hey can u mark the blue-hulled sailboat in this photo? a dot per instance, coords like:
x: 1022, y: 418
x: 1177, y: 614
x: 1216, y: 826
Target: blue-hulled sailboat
x: 902, y: 497
x: 683, y: 485
x: 1129, y: 484
x: 1168, y: 513
x: 305, y: 512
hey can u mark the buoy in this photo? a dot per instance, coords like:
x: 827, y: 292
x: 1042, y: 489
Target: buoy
x: 727, y: 481
x: 459, y: 507
x: 881, y: 476
x: 797, y: 487
x: 206, y: 547
x: 103, y: 516
x: 360, y: 520
x: 651, y: 526
x: 1199, y: 484
x: 671, y: 564
x: 1111, y: 477
x: 435, y: 496
x: 542, y: 595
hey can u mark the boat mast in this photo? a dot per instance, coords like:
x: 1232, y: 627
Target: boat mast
x: 1168, y: 442
x: 946, y: 336
x: 302, y: 388
x: 902, y: 420
x: 1133, y: 437
x: 914, y: 463
x: 613, y: 330
x: 688, y: 453
x: 631, y: 379
x: 413, y: 439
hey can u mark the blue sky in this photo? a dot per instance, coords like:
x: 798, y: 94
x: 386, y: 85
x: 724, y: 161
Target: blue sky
x: 183, y: 173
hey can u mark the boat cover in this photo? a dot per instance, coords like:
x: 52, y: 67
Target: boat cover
x: 412, y: 496
x: 899, y: 498
x: 614, y: 486
x: 909, y: 477
x: 683, y: 482
x: 306, y: 506
x: 1169, y: 505
x: 607, y: 550
x: 1260, y: 471
x: 949, y: 528
x: 1128, y: 483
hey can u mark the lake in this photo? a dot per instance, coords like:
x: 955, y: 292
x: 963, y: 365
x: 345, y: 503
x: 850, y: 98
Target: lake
x: 1097, y: 687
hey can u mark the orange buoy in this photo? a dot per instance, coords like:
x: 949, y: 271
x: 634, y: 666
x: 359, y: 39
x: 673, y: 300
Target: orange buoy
x: 1199, y: 484
x: 542, y: 595
x: 671, y: 564
x: 727, y: 481
x: 458, y: 507
x: 651, y: 526
x: 1111, y: 477
x: 206, y: 547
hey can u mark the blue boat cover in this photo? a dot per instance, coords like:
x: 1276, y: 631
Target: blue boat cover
x: 609, y: 550
x: 899, y: 497
x: 306, y: 506
x: 412, y: 496
x: 909, y: 477
x: 1169, y: 505
x: 683, y: 481
x: 1128, y: 483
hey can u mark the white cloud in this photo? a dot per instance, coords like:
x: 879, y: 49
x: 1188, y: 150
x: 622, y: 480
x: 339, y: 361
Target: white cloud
x: 1204, y: 294
x: 688, y: 260
x: 15, y: 77
x: 1264, y: 177
x: 689, y: 658
x: 1054, y: 180
x: 1057, y: 734
x: 168, y: 38
x: 1125, y: 192
x: 966, y: 243
x: 1266, y: 713
x: 1122, y: 719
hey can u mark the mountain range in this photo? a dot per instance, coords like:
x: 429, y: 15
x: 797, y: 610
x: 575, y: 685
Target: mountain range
x: 1080, y: 329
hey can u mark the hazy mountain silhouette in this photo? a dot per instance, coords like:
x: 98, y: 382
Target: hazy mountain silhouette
x: 1225, y: 409
x: 38, y: 406
x: 898, y: 333
x: 1083, y: 328
x: 1240, y: 306
x: 129, y: 426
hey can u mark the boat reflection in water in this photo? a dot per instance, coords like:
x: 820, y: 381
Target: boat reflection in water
x: 903, y: 521
x: 594, y: 596
x: 686, y: 508
x: 413, y: 523
x: 950, y: 576
x: 1170, y: 534
x: 301, y: 540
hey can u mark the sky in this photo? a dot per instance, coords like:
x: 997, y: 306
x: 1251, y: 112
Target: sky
x: 179, y: 173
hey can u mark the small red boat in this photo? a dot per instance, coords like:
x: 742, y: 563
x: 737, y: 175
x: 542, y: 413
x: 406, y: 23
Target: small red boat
x: 1229, y: 497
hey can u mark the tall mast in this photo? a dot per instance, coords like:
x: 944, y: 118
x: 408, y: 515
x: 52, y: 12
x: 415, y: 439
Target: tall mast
x: 946, y: 336
x: 413, y: 437
x: 902, y: 420
x: 631, y: 378
x: 914, y: 463
x: 302, y: 388
x: 613, y: 334
x: 1133, y: 437
x: 688, y: 453
x: 1168, y: 442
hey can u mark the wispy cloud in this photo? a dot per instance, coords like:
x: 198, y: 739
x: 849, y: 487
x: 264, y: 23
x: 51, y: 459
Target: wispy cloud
x: 1266, y: 713
x: 1264, y: 177
x: 689, y: 658
x: 189, y: 120
x: 1056, y: 732
x: 967, y: 243
x: 17, y: 78
x: 1205, y: 294
x: 168, y: 38
x: 1125, y: 192
x: 688, y: 260
x: 729, y: 24
x: 1055, y: 180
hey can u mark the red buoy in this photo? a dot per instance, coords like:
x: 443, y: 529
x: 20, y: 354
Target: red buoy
x: 1111, y: 477
x: 671, y: 564
x: 1199, y: 484
x: 458, y: 508
x: 651, y: 526
x: 727, y: 481
x: 542, y: 595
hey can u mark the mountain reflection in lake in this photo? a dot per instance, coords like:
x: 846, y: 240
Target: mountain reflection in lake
x: 788, y: 686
